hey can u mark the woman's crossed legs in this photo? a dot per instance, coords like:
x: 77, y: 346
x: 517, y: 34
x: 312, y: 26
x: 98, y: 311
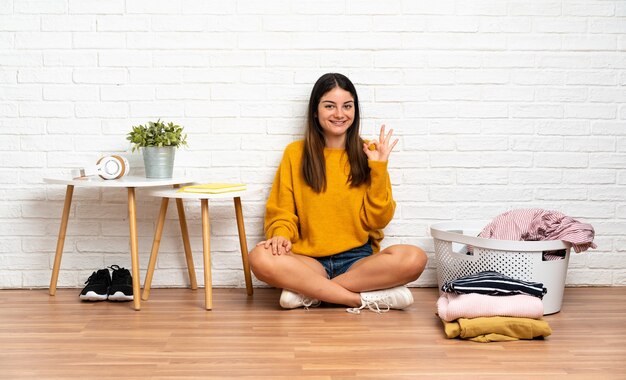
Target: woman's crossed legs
x: 393, y: 266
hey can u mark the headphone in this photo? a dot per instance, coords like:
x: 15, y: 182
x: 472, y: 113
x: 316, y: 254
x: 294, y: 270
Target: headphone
x: 107, y: 167
x: 112, y: 167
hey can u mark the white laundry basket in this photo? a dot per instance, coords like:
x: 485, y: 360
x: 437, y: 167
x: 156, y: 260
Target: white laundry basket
x: 523, y: 260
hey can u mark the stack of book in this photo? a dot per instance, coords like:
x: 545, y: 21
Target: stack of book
x: 213, y: 188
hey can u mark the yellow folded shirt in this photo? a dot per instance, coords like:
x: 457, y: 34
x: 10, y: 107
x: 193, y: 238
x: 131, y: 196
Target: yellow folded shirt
x: 213, y: 188
x: 488, y: 329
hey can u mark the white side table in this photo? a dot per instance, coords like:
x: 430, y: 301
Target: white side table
x: 166, y: 194
x: 130, y: 183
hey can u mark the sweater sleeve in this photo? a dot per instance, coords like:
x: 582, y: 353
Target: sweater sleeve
x: 378, y: 205
x: 281, y: 218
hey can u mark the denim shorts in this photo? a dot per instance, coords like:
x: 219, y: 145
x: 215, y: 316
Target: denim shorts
x: 339, y: 263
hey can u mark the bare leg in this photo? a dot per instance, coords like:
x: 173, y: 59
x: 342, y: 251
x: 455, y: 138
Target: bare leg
x: 301, y: 274
x: 393, y: 266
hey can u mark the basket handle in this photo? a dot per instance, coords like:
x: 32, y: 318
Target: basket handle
x: 450, y: 232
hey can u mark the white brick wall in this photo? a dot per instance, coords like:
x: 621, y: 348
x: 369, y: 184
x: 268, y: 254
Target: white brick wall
x: 498, y: 104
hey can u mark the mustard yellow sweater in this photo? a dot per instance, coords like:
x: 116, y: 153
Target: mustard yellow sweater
x: 333, y: 221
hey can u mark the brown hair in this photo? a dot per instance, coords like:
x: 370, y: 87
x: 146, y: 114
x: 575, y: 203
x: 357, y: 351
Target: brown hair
x: 313, y: 164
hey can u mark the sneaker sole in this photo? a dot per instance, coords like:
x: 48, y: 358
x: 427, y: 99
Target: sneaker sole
x: 93, y: 296
x: 119, y: 296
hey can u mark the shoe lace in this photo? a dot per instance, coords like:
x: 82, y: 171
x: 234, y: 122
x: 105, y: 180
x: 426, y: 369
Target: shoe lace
x: 378, y: 306
x: 120, y: 273
x: 119, y: 270
x: 92, y: 277
x: 307, y: 302
x: 98, y: 277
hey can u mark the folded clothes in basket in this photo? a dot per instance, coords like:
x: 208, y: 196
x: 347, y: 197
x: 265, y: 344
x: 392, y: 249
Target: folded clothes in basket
x: 539, y: 224
x: 493, y: 283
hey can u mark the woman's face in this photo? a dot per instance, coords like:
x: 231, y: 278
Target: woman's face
x: 335, y: 113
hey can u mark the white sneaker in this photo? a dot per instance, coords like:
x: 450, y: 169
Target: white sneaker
x: 292, y: 300
x: 381, y: 301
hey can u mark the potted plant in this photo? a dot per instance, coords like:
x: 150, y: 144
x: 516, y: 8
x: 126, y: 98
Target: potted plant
x: 158, y: 142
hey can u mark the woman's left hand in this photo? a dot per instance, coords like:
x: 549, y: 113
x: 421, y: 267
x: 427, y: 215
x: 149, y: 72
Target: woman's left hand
x: 383, y: 147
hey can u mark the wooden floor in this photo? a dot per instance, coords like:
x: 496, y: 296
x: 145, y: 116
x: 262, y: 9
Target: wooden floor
x: 43, y: 337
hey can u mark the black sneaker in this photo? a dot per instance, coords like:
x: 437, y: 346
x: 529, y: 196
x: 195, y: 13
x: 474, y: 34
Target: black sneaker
x: 121, y: 288
x: 97, y: 288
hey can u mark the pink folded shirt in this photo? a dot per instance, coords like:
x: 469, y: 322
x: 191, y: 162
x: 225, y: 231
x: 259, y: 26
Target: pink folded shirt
x: 452, y: 306
x: 539, y: 224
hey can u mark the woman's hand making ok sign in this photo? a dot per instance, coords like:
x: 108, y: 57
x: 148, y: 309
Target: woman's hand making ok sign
x: 381, y: 148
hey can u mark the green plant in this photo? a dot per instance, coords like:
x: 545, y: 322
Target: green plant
x: 157, y: 134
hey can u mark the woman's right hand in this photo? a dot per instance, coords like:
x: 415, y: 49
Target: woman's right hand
x: 278, y: 245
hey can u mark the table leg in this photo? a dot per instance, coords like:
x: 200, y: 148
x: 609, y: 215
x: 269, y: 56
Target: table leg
x: 206, y: 253
x: 61, y: 239
x: 244, y: 245
x: 185, y: 234
x: 156, y: 243
x: 134, y: 247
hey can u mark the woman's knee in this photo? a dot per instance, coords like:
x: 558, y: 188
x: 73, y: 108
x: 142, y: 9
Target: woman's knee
x: 419, y: 259
x: 412, y: 260
x: 259, y: 259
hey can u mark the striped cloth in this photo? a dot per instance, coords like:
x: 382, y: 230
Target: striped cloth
x: 495, y: 284
x: 540, y: 224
